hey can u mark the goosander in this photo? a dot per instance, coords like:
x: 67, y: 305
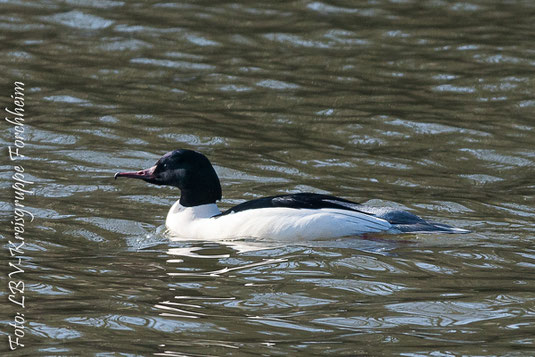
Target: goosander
x: 293, y: 216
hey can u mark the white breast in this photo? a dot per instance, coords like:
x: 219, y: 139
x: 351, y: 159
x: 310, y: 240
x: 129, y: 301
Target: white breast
x: 275, y: 223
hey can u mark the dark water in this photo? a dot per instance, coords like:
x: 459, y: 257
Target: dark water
x: 426, y: 104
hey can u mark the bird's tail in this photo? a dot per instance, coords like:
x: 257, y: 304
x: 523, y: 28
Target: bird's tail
x: 406, y: 222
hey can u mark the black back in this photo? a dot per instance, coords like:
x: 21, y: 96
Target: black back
x: 297, y: 201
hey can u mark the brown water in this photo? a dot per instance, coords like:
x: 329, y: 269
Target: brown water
x: 426, y: 104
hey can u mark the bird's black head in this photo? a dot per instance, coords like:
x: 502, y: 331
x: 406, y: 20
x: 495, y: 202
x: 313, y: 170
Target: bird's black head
x: 188, y: 170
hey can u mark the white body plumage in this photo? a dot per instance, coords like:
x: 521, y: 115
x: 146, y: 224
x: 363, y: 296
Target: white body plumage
x: 280, y: 223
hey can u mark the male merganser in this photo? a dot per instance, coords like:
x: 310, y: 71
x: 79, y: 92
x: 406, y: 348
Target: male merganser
x: 295, y: 216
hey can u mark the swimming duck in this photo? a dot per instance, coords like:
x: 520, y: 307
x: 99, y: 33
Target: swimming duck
x: 293, y: 216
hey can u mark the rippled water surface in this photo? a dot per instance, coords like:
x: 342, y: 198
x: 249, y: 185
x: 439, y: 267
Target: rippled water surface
x: 427, y: 105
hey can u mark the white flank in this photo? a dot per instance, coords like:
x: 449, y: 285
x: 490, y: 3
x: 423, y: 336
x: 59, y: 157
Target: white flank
x: 275, y: 223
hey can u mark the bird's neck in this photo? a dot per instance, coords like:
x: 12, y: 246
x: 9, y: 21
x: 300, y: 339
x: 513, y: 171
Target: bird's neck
x: 192, y: 198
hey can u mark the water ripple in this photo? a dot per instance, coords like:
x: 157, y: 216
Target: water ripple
x: 80, y: 20
x: 364, y: 287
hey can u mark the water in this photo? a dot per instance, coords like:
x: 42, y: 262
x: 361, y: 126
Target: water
x: 428, y: 105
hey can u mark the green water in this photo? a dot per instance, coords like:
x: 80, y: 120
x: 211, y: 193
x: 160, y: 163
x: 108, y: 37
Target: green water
x: 428, y: 105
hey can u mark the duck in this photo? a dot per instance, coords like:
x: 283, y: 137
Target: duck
x: 297, y: 216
